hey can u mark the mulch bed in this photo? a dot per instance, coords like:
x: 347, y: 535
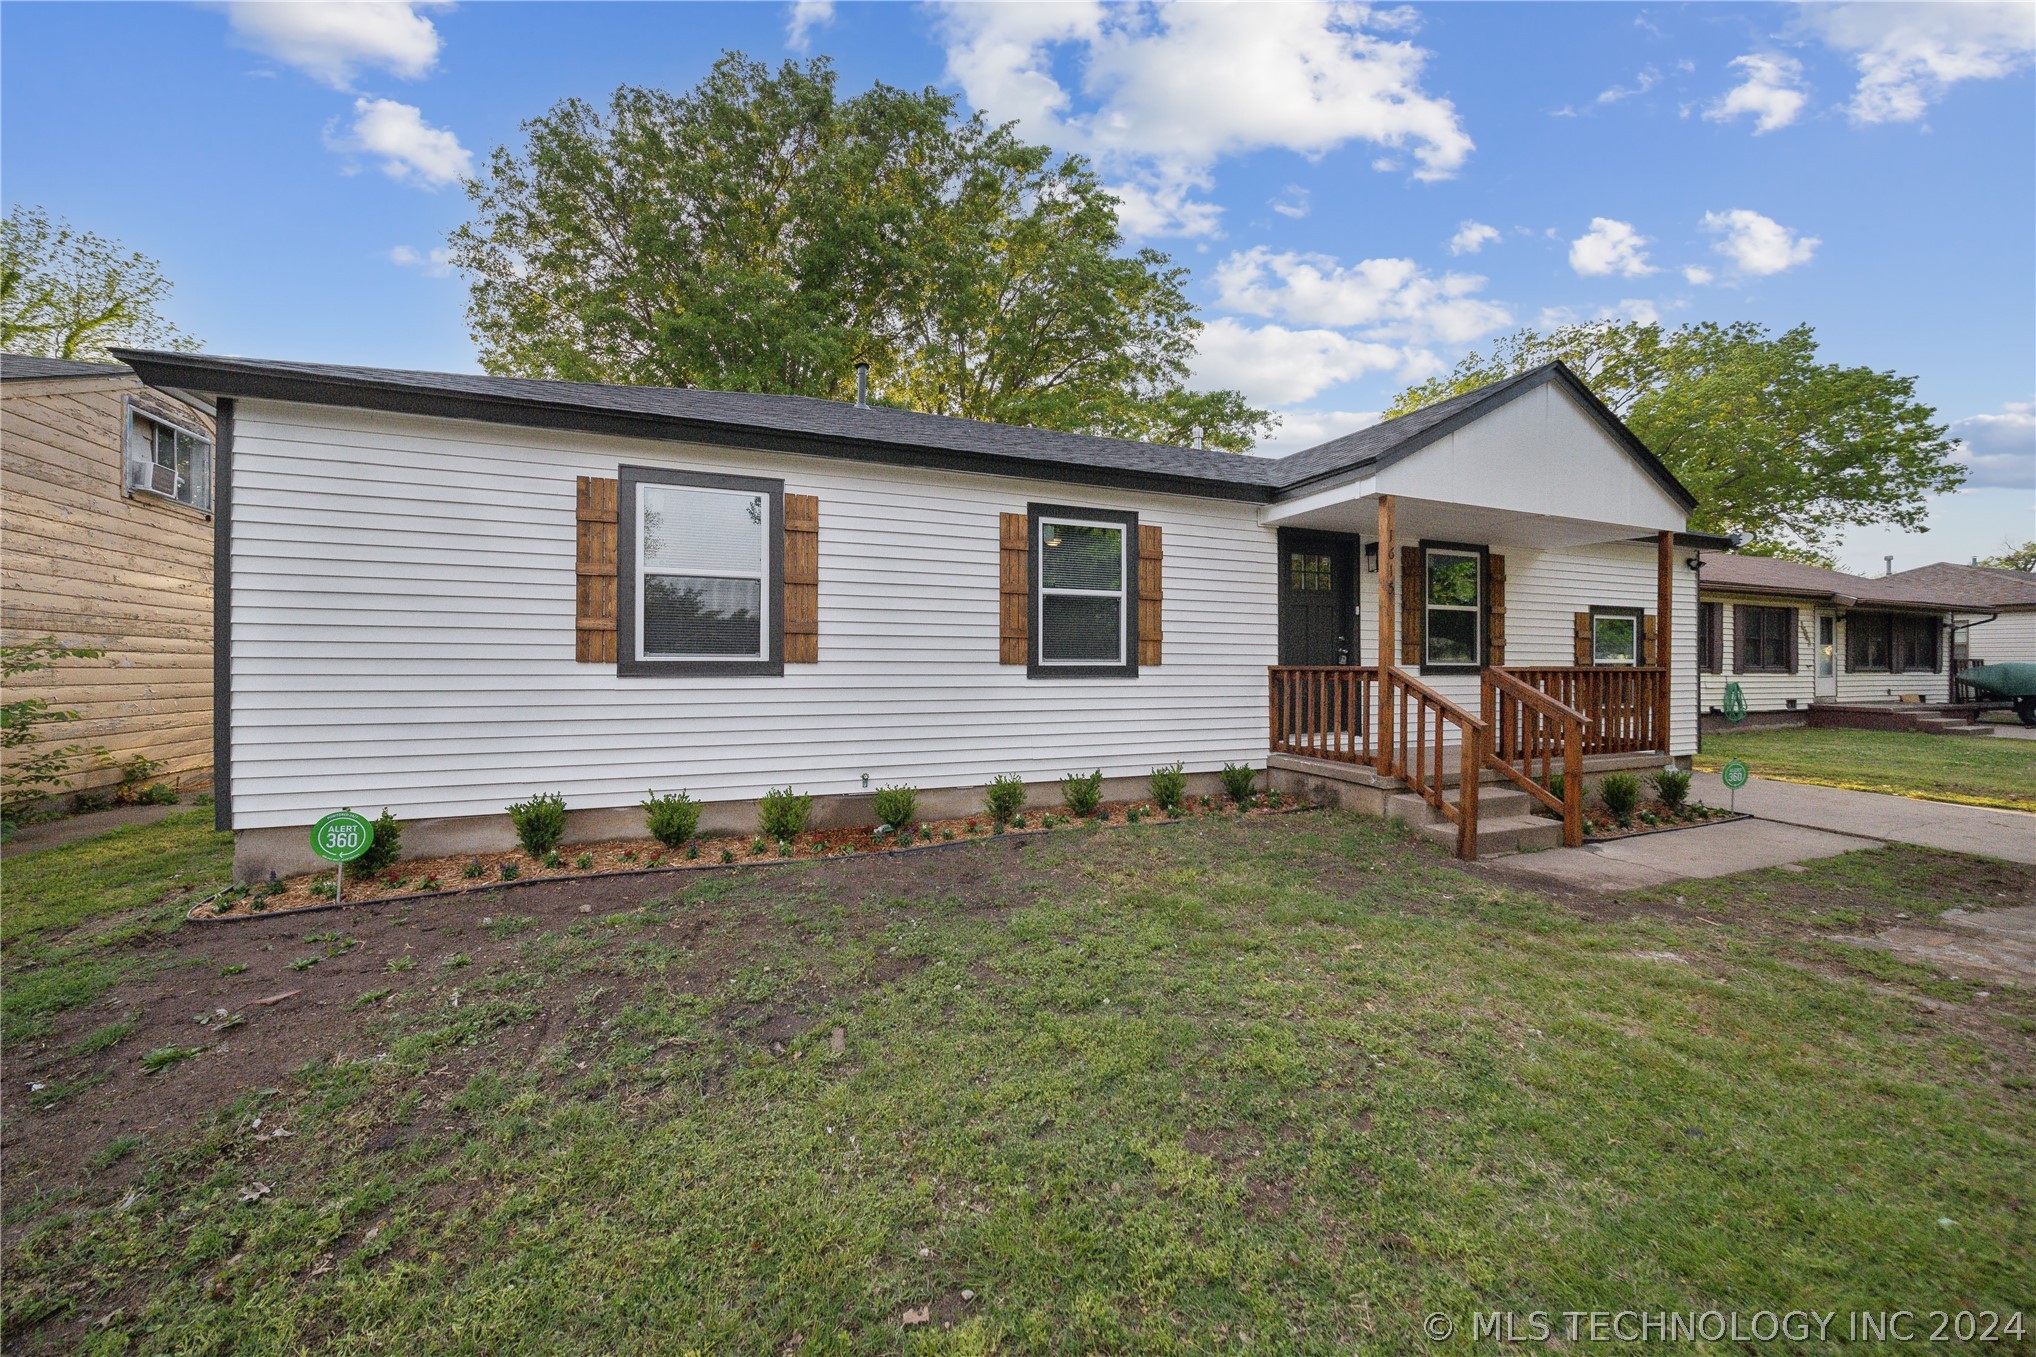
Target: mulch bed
x: 1599, y: 824
x: 461, y: 873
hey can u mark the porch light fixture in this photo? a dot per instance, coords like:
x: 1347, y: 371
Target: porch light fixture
x: 1371, y: 558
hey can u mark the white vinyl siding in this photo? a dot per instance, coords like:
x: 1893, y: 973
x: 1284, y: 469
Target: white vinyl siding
x: 403, y: 605
x: 1772, y: 692
x: 2008, y: 638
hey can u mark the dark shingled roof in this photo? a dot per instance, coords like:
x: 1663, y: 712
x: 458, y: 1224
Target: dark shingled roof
x: 839, y: 429
x: 26, y: 367
x: 1980, y: 585
x: 1730, y: 573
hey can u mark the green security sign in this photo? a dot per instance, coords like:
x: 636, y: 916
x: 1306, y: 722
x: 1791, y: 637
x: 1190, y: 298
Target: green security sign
x: 341, y: 836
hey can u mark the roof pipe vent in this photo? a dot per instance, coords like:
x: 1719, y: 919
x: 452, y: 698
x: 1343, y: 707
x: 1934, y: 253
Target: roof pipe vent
x: 862, y: 386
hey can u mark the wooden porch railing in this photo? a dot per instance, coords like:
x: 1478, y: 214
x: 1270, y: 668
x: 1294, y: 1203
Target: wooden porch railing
x: 1324, y: 711
x: 1528, y: 736
x: 1618, y: 703
x: 1422, y: 717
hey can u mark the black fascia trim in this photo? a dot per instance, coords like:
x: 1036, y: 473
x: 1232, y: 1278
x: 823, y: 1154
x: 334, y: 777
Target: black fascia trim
x: 1639, y: 616
x: 627, y: 642
x: 222, y: 615
x: 227, y: 381
x: 1484, y: 555
x: 1505, y: 392
x: 1034, y: 668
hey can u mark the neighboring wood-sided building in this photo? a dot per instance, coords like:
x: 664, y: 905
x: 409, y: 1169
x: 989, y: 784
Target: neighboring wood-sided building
x: 448, y: 592
x: 106, y: 541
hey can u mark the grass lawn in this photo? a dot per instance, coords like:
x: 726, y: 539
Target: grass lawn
x: 1977, y: 771
x: 1289, y: 1085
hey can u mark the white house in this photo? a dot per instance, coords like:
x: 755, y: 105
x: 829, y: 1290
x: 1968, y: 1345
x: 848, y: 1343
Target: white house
x: 442, y: 593
x: 1803, y: 644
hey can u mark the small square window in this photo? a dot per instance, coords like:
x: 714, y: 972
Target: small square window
x: 1615, y: 637
x: 167, y: 461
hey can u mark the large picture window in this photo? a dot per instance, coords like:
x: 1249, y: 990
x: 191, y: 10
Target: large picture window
x: 1453, y: 593
x: 1891, y: 643
x: 703, y: 565
x: 1084, y: 599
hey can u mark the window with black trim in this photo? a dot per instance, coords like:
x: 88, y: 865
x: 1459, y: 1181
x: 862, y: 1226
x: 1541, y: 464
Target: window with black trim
x: 1453, y: 605
x: 1764, y: 640
x: 1084, y: 600
x: 1615, y: 636
x: 1711, y: 637
x: 1891, y: 643
x: 700, y: 573
x: 168, y: 461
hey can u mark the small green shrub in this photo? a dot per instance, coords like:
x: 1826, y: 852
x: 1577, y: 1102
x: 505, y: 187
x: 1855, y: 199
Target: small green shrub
x: 1240, y: 782
x: 384, y: 847
x: 1672, y: 785
x: 1169, y: 785
x: 1621, y: 793
x: 692, y: 851
x: 159, y: 794
x: 896, y: 806
x: 1082, y: 793
x: 510, y: 871
x: 1004, y: 797
x: 727, y: 855
x: 473, y: 870
x: 584, y: 862
x: 549, y: 860
x: 758, y: 846
x: 540, y: 822
x: 673, y: 818
x: 783, y: 813
x: 136, y: 775
x: 1556, y: 782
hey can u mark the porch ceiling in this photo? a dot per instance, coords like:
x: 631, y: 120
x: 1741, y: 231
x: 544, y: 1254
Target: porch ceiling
x: 1343, y: 510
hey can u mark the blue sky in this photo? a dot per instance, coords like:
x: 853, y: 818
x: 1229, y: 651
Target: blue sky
x: 1361, y: 194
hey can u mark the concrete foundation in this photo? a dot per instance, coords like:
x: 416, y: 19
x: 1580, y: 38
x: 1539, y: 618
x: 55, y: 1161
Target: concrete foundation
x: 286, y: 850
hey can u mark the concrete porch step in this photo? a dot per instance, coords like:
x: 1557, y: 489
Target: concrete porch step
x: 1499, y: 835
x: 1492, y: 800
x: 1950, y: 725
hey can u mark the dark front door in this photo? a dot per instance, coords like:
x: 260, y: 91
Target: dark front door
x: 1318, y: 616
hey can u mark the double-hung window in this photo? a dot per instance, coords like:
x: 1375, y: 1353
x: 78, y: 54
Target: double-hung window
x: 1615, y: 636
x: 701, y: 573
x: 168, y: 461
x: 1766, y: 640
x: 1085, y: 603
x: 1453, y: 625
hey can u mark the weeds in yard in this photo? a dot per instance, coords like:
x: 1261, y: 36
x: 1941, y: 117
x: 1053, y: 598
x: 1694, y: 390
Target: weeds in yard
x: 162, y: 1057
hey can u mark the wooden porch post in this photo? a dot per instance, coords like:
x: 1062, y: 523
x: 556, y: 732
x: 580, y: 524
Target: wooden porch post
x: 1664, y: 633
x: 1389, y: 610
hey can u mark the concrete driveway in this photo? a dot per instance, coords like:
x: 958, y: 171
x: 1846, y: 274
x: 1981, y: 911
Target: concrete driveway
x: 2009, y: 834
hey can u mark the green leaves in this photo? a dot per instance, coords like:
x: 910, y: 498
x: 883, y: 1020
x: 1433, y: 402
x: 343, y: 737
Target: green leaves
x: 1773, y: 443
x: 73, y: 294
x: 761, y: 233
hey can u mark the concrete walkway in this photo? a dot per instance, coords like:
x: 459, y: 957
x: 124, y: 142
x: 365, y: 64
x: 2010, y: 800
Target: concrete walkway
x: 54, y: 833
x: 1658, y: 859
x: 1987, y: 833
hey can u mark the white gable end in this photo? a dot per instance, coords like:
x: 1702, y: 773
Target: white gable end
x: 1540, y: 453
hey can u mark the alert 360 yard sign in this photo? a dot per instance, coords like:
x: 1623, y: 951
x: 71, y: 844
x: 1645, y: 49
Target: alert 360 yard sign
x: 341, y: 836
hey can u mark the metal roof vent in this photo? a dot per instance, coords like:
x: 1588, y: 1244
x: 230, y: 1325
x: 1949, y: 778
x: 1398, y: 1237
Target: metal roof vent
x: 862, y: 386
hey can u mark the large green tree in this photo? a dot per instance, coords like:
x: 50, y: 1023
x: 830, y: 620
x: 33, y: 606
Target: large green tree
x: 72, y: 294
x: 761, y: 232
x: 2011, y: 557
x: 1772, y: 442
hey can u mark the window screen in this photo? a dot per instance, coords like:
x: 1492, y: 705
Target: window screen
x: 1082, y: 599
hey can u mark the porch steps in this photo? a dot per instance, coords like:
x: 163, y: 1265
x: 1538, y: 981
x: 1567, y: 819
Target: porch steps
x: 1949, y: 725
x: 1506, y: 821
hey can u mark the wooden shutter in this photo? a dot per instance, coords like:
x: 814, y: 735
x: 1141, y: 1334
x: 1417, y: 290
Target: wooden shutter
x: 802, y: 579
x: 594, y: 616
x: 1586, y: 653
x: 1495, y: 611
x: 1648, y: 642
x: 1014, y: 586
x: 1149, y: 594
x: 1413, y: 590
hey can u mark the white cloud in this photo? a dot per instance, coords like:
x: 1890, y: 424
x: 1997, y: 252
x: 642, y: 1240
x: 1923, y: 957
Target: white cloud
x: 1696, y: 275
x: 805, y: 16
x: 1610, y: 247
x: 435, y: 263
x: 1642, y: 83
x: 1758, y: 245
x: 1772, y: 92
x: 1635, y: 309
x: 1293, y: 201
x: 409, y: 148
x: 1158, y: 95
x: 332, y: 40
x: 1998, y: 449
x: 1471, y: 237
x: 1273, y: 365
x: 1910, y: 55
x: 1168, y: 209
x: 1302, y: 427
x: 1392, y: 299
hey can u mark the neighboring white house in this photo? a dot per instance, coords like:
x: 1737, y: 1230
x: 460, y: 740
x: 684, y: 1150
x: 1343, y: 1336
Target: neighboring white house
x: 2009, y: 635
x: 447, y: 592
x: 1790, y: 635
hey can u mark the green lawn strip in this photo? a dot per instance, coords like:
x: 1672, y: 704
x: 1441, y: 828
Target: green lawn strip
x: 1972, y: 771
x: 1295, y: 1080
x: 76, y: 916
